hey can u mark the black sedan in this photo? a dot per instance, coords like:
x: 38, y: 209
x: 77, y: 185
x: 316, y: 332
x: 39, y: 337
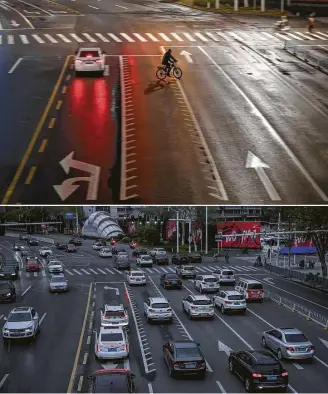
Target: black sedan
x: 180, y: 259
x: 7, y: 292
x: 13, y: 264
x: 112, y: 381
x: 60, y: 246
x: 195, y: 258
x: 33, y: 242
x: 171, y: 281
x: 70, y: 248
x: 139, y: 251
x: 161, y: 260
x: 8, y: 272
x: 259, y: 370
x: 18, y: 247
x: 122, y: 264
x: 75, y: 241
x: 184, y: 359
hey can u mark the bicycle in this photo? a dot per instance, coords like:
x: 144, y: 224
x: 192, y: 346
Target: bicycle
x: 161, y: 72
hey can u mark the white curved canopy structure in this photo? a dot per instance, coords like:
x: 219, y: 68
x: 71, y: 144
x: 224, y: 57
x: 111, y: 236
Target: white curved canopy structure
x: 101, y: 225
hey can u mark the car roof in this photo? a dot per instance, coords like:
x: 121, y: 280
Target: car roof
x: 207, y: 276
x: 19, y: 309
x: 184, y: 344
x: 145, y: 255
x: 231, y: 292
x: 200, y: 297
x: 263, y: 356
x: 109, y: 307
x: 157, y: 299
x: 90, y: 49
x: 136, y: 272
x: 250, y: 281
x: 290, y: 330
x: 110, y: 330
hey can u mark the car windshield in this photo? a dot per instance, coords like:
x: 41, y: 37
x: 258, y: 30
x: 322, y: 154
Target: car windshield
x: 159, y: 305
x: 188, y: 352
x: 109, y: 314
x: 145, y: 257
x: 136, y: 274
x: 268, y: 368
x: 171, y: 276
x: 202, y: 302
x: 112, y: 337
x: 294, y: 338
x: 19, y: 316
x: 160, y: 250
x: 227, y: 273
x: 106, y: 250
x: 89, y: 54
x: 4, y: 286
x: 210, y: 280
x: 54, y: 263
x: 255, y: 286
x: 57, y: 280
x: 235, y: 297
x: 7, y: 269
x: 189, y: 268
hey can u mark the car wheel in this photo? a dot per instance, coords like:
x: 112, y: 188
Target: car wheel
x: 223, y: 311
x: 279, y: 354
x: 202, y: 375
x: 231, y: 367
x: 248, y: 385
x: 264, y: 344
x: 171, y: 372
x: 190, y: 315
x: 201, y: 290
x: 148, y: 320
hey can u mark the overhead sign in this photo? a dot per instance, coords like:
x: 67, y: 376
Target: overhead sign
x: 248, y: 234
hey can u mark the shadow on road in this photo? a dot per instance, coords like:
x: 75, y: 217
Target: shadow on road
x: 155, y: 86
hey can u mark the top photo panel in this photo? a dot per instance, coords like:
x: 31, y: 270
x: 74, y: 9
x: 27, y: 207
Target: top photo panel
x: 164, y: 102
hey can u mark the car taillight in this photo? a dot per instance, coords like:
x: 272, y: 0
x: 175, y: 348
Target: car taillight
x: 127, y: 296
x: 201, y: 364
x: 167, y: 282
x: 257, y: 375
x: 290, y: 348
x: 249, y: 292
x: 98, y: 348
x: 125, y: 348
x: 99, y: 61
x: 229, y: 302
x: 178, y: 364
x: 123, y: 316
x: 284, y: 374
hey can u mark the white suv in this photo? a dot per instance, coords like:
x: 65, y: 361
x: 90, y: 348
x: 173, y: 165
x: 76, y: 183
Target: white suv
x: 158, y: 308
x: 225, y: 276
x: 45, y: 251
x: 230, y: 300
x: 145, y: 260
x: 89, y: 60
x: 206, y: 283
x: 22, y: 322
x: 113, y: 316
x: 111, y: 343
x: 198, y: 306
x: 158, y: 252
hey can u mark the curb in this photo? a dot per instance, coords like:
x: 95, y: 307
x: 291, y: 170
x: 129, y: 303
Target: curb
x: 316, y: 66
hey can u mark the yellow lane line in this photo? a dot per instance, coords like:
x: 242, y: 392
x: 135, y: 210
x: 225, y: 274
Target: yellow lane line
x: 43, y: 146
x: 30, y: 175
x: 64, y: 89
x: 52, y: 123
x: 35, y: 136
x: 79, y: 346
x: 59, y: 104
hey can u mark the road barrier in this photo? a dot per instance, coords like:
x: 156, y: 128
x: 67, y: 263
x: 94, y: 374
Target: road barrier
x: 40, y: 239
x: 309, y: 314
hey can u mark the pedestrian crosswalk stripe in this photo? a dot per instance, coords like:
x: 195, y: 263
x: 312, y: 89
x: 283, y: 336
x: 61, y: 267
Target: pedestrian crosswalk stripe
x: 149, y: 270
x: 165, y: 37
x: 115, y: 38
x: 171, y: 269
x: 11, y: 39
x: 188, y: 36
x: 199, y: 35
x: 269, y: 35
x: 102, y: 37
x: 76, y: 37
x: 38, y: 39
x: 103, y: 272
x: 139, y: 36
x: 91, y: 39
x: 107, y: 269
x: 152, y: 37
x: 212, y: 36
x: 117, y: 271
x: 157, y: 270
x: 43, y: 273
x: 322, y: 34
x: 79, y: 273
x: 234, y: 35
x: 35, y: 274
x: 283, y: 36
x: 165, y: 270
x: 95, y: 272
x: 51, y: 39
x: 294, y: 36
x: 127, y: 37
x: 71, y: 273
x: 226, y: 37
x: 63, y: 38
x: 24, y: 39
x: 177, y: 37
x: 307, y: 37
x: 317, y: 36
x: 88, y: 273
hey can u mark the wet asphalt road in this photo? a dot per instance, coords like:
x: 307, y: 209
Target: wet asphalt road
x: 246, y: 124
x: 64, y: 316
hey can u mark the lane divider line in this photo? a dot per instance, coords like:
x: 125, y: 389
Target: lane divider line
x: 59, y: 104
x: 43, y: 146
x: 16, y: 64
x: 30, y: 175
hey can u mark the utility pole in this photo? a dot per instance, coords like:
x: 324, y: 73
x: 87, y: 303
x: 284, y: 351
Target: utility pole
x: 177, y: 231
x: 206, y: 230
x: 190, y: 237
x: 77, y: 220
x: 278, y: 240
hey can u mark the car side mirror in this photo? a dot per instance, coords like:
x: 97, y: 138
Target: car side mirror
x: 4, y: 318
x: 89, y: 377
x: 133, y: 375
x: 35, y: 318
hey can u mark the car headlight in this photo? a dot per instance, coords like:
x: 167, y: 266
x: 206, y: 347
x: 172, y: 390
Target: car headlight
x: 8, y: 294
x: 1, y: 274
x: 5, y: 330
x: 29, y: 329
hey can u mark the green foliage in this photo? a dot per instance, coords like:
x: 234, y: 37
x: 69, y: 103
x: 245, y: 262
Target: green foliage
x: 152, y: 235
x: 126, y: 240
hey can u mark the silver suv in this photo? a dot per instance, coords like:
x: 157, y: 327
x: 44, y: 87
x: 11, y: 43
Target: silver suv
x: 158, y: 308
x: 22, y: 322
x: 58, y: 283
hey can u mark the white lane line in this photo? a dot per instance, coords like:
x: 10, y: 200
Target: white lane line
x: 165, y: 37
x: 199, y: 35
x: 223, y: 35
x: 24, y: 39
x: 212, y: 36
x: 188, y: 36
x: 149, y: 270
x: 38, y: 39
x: 91, y: 39
x: 10, y: 39
x: 86, y: 272
x: 276, y: 136
x: 139, y: 37
x: 95, y: 272
x: 150, y: 388
x: 322, y: 34
x: 71, y: 273
x: 76, y: 37
x: 43, y: 273
x: 103, y: 272
x: 165, y: 270
x: 283, y: 36
x: 51, y: 39
x: 25, y: 291
x: 127, y: 37
x: 3, y: 380
x: 35, y: 274
x: 111, y: 272
x: 316, y: 36
x: 234, y: 35
x: 152, y: 37
x: 102, y: 37
x: 35, y: 6
x: 1, y: 316
x: 91, y: 6
x: 220, y: 387
x: 42, y: 318
x: 27, y: 274
x: 13, y: 68
x: 79, y: 273
x: 157, y: 270
x: 120, y: 6
x: 176, y: 36
x: 307, y: 37
x: 22, y: 15
x: 171, y: 269
x: 63, y: 38
x: 269, y: 35
x: 294, y: 36
x: 113, y: 37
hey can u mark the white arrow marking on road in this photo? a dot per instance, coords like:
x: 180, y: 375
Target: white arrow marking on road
x: 324, y: 342
x: 14, y: 24
x: 109, y: 365
x: 255, y: 162
x: 224, y: 348
x: 68, y: 162
x: 57, y: 12
x: 112, y: 288
x: 270, y: 280
x: 187, y: 55
x: 32, y: 12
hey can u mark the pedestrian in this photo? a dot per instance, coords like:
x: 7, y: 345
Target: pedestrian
x: 311, y: 21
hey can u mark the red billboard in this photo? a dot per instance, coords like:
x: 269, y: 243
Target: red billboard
x: 245, y: 230
x: 170, y: 229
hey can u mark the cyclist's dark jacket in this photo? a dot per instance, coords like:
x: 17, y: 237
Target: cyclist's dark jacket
x: 167, y: 57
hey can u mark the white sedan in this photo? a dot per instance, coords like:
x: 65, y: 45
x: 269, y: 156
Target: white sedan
x: 144, y: 260
x: 105, y: 252
x: 111, y: 343
x: 89, y: 60
x: 136, y: 278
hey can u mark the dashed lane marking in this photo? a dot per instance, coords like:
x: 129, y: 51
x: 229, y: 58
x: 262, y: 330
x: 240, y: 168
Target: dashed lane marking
x: 30, y: 175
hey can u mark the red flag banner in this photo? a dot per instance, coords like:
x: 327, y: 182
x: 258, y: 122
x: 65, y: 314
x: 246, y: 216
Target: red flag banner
x: 246, y: 229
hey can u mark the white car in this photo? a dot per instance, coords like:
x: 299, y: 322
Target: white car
x: 113, y: 316
x: 198, y: 306
x: 111, y: 343
x: 186, y: 271
x: 105, y: 252
x: 122, y: 253
x: 136, y: 278
x: 206, y: 283
x: 97, y: 246
x: 160, y: 252
x: 90, y: 60
x: 158, y: 308
x: 44, y: 252
x: 225, y: 276
x: 55, y: 267
x: 145, y: 260
x: 22, y: 322
x: 230, y: 300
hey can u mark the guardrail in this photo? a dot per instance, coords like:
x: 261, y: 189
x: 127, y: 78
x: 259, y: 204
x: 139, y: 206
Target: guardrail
x: 41, y: 239
x: 309, y: 314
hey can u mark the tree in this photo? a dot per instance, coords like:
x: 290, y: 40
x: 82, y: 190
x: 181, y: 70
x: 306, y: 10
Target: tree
x: 152, y: 235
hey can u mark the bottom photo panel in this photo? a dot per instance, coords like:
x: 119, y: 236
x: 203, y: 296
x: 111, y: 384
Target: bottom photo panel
x: 163, y: 299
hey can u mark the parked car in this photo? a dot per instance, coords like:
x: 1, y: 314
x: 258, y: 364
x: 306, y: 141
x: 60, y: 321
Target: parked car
x: 171, y: 281
x: 139, y: 251
x: 288, y: 343
x: 259, y: 370
x: 198, y: 306
x: 230, y: 301
x: 186, y: 271
x: 7, y: 292
x: 184, y: 359
x: 112, y: 380
x: 195, y: 258
x: 8, y: 273
x: 180, y: 259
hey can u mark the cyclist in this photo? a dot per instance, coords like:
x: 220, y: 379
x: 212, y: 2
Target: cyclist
x: 227, y: 257
x: 167, y: 61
